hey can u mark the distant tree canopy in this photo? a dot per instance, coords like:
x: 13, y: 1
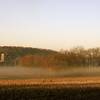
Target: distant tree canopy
x: 14, y: 53
x: 82, y: 57
x: 48, y: 58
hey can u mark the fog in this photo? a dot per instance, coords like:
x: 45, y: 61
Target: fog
x: 37, y: 72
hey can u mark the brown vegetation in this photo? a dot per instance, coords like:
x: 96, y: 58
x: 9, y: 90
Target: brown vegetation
x: 67, y: 82
x: 74, y: 57
x: 49, y: 58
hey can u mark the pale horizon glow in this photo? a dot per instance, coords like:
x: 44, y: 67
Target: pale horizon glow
x: 50, y: 24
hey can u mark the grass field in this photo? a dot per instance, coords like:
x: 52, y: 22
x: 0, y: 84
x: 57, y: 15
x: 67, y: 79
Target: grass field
x: 81, y: 88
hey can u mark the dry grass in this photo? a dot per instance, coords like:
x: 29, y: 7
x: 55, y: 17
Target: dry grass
x: 77, y: 88
x: 70, y: 81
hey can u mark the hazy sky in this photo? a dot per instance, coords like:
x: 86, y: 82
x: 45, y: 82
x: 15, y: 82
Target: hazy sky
x: 52, y: 24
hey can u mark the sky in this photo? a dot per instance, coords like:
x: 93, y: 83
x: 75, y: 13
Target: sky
x: 50, y: 24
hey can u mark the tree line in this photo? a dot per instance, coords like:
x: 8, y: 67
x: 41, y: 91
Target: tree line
x: 82, y: 57
x: 13, y: 53
x: 73, y: 57
x: 22, y: 56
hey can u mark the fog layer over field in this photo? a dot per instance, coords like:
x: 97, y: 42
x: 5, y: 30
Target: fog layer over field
x: 37, y: 72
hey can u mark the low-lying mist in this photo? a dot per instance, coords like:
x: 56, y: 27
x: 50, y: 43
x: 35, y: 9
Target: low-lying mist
x: 37, y: 72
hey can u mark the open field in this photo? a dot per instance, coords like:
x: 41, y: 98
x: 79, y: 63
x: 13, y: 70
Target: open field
x: 87, y: 81
x: 77, y: 88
